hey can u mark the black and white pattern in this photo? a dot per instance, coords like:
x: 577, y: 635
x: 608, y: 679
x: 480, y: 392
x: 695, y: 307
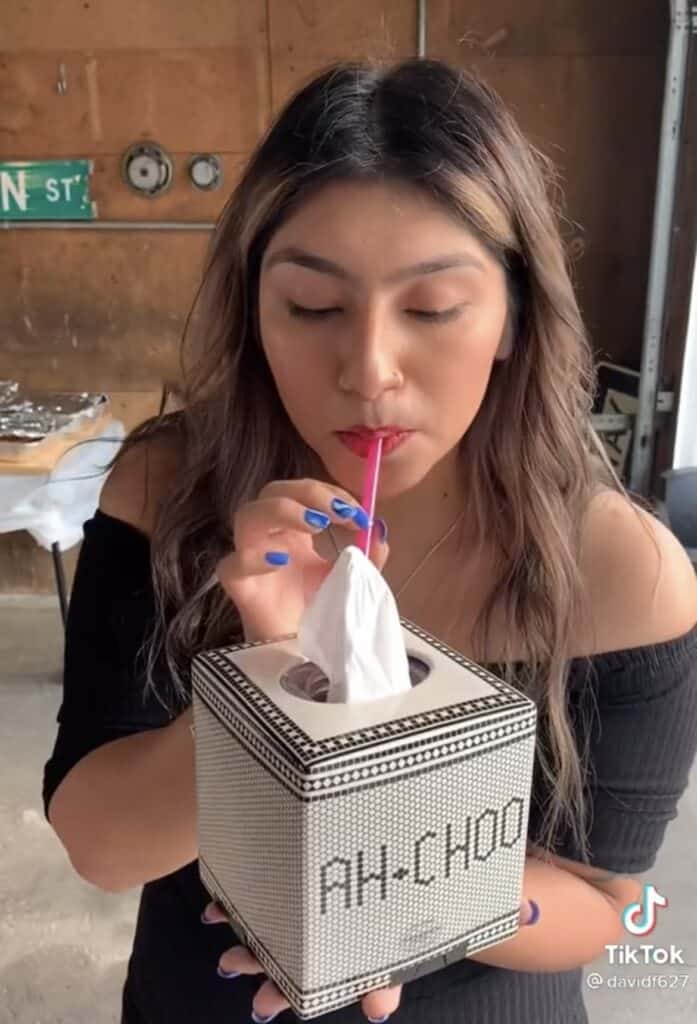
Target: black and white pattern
x: 348, y: 863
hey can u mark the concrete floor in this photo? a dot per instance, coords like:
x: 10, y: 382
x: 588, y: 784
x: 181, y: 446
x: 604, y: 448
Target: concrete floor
x: 64, y: 944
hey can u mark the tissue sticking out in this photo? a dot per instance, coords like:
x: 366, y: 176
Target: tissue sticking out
x: 351, y: 631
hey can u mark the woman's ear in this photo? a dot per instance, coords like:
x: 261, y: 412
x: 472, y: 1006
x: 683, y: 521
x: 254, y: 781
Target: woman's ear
x: 506, y: 344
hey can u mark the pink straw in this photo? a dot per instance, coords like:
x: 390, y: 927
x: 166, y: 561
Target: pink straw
x: 370, y: 490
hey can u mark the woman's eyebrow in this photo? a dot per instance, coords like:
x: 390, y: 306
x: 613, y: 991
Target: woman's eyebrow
x: 292, y: 254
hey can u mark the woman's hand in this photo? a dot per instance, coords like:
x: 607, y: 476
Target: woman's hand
x: 269, y: 1001
x: 271, y: 596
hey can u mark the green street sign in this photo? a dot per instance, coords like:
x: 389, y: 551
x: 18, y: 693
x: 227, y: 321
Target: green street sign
x: 46, y: 190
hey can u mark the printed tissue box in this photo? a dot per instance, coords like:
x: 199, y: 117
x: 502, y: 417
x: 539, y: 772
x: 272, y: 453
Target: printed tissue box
x: 360, y: 845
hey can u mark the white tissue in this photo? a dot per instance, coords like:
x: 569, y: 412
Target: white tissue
x: 351, y: 630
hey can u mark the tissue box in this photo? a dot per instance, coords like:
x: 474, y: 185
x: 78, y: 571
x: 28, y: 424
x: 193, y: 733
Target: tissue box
x: 360, y: 845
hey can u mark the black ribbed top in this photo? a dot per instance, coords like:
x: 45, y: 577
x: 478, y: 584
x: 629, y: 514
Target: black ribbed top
x: 643, y: 739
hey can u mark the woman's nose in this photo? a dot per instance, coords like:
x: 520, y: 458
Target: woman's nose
x: 372, y: 363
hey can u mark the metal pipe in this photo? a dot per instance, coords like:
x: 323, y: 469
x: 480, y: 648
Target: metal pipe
x: 676, y: 66
x: 421, y: 29
x: 105, y: 225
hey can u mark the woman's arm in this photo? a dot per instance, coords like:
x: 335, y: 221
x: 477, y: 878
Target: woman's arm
x: 578, y: 917
x: 120, y: 787
x: 643, y: 592
x: 126, y: 813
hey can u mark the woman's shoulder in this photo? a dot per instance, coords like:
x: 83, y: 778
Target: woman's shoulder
x: 640, y: 584
x: 143, y: 476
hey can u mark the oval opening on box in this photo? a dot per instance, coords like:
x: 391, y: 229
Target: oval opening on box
x: 307, y: 681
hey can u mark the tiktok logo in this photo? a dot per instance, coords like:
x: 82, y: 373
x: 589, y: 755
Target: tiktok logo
x: 640, y: 918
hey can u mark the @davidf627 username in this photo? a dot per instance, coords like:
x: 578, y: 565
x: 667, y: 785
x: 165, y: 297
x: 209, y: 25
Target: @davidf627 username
x: 639, y: 919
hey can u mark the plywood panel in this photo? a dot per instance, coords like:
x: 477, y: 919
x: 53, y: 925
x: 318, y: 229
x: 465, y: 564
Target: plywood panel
x: 306, y: 35
x: 545, y: 27
x: 131, y: 24
x: 134, y: 407
x: 182, y: 202
x: 213, y: 99
x: 90, y: 310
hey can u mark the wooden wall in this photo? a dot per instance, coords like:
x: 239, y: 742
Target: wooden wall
x: 104, y: 310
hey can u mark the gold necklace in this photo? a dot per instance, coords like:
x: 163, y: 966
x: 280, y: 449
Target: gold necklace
x: 434, y: 547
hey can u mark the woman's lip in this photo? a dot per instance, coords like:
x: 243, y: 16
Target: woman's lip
x: 379, y: 432
x: 361, y: 444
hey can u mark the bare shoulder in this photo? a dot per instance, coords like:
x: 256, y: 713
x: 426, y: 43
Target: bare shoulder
x: 140, y: 481
x: 642, y: 587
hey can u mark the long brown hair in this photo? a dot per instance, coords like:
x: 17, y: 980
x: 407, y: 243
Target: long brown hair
x: 530, y: 458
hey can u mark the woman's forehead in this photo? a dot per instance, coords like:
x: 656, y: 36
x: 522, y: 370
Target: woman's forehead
x: 399, y: 228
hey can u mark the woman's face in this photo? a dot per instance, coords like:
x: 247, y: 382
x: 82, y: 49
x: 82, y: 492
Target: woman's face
x: 378, y: 309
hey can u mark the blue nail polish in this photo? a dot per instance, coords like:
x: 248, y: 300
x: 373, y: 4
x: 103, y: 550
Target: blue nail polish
x: 343, y: 509
x: 262, y: 1020
x: 535, y: 912
x: 382, y: 529
x: 277, y: 557
x: 227, y: 974
x: 315, y: 518
x: 378, y: 1020
x: 362, y: 518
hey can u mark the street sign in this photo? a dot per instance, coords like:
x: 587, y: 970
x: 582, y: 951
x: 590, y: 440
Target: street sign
x: 46, y: 190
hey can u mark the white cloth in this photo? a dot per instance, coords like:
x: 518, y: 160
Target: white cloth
x: 351, y: 630
x: 53, y: 506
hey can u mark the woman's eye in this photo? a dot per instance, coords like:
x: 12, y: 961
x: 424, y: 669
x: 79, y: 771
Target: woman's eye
x: 429, y: 315
x: 437, y: 315
x: 310, y: 313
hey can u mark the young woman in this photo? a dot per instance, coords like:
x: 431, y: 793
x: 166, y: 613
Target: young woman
x: 390, y: 260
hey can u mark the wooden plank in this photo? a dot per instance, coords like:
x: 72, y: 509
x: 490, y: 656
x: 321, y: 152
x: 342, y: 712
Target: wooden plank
x: 188, y: 100
x: 307, y: 35
x: 95, y: 310
x: 545, y: 27
x: 131, y: 24
x: 134, y: 407
x: 182, y: 202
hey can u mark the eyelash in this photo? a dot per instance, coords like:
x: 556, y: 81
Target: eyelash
x: 427, y: 315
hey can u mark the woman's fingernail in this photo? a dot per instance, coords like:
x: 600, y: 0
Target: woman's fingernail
x: 535, y: 913
x: 227, y: 974
x: 205, y: 919
x: 277, y: 557
x: 262, y: 1020
x: 378, y: 1020
x: 355, y: 512
x: 362, y: 518
x: 318, y: 519
x: 382, y: 529
x: 343, y: 509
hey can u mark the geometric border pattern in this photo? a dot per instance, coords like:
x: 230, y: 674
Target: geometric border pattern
x: 424, y: 753
x: 253, y: 703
